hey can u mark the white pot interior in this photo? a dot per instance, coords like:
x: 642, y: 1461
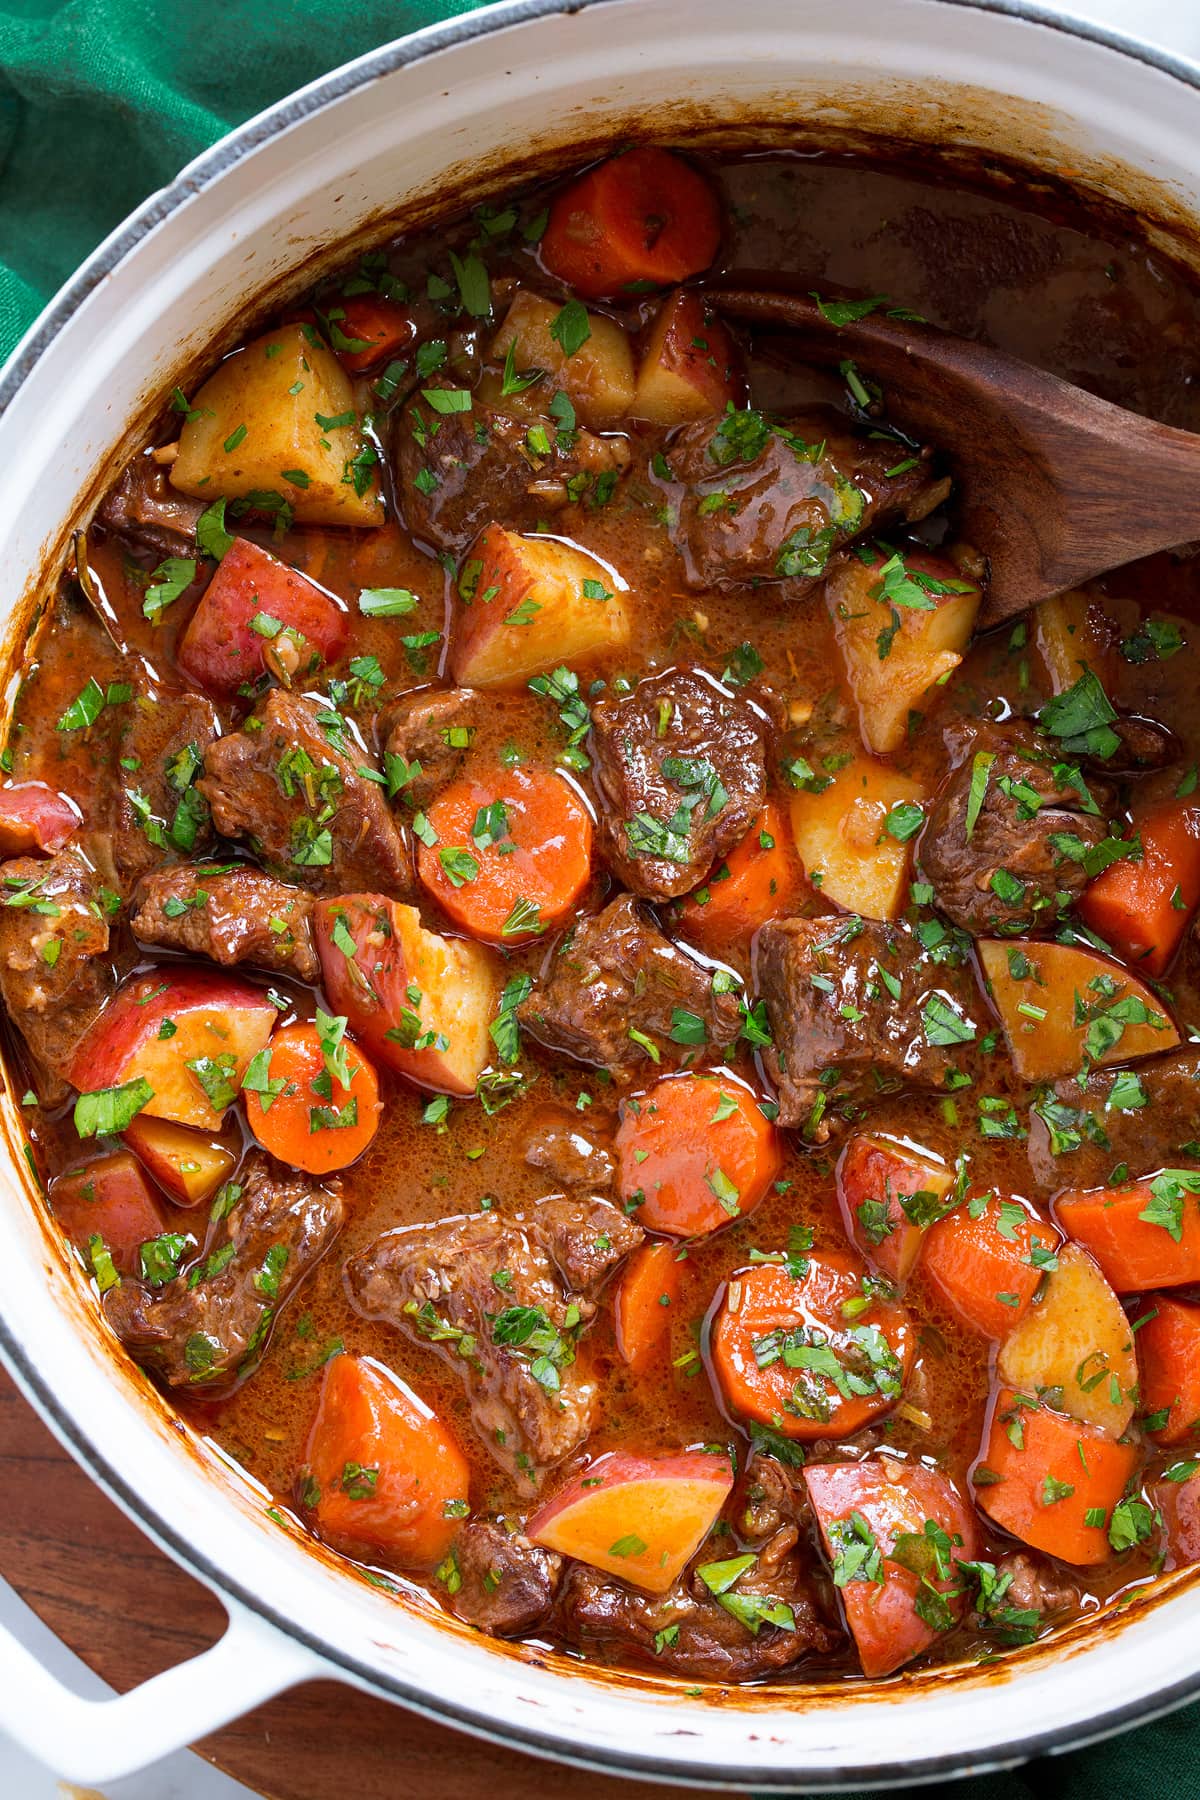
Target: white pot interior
x: 473, y: 105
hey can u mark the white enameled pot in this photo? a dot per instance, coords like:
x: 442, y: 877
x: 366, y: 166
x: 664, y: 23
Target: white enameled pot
x: 462, y: 109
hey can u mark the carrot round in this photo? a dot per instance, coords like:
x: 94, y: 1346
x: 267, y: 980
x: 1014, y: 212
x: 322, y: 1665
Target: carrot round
x: 694, y: 1153
x: 1168, y: 1347
x: 1050, y: 1480
x: 314, y: 1121
x: 383, y: 1473
x: 648, y: 1290
x: 383, y: 327
x: 1136, y: 1251
x: 508, y: 853
x: 986, y: 1260
x: 1143, y: 909
x: 786, y: 1352
x: 643, y: 216
x: 761, y: 879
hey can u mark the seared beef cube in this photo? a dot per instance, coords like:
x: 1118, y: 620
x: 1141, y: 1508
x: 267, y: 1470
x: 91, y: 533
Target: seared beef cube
x: 159, y: 811
x: 503, y: 1298
x: 1031, y: 1583
x: 687, y: 1631
x: 559, y: 1140
x: 146, y: 509
x: 505, y: 1585
x: 617, y: 974
x: 289, y: 783
x: 858, y: 1009
x: 207, y: 1327
x: 236, y: 915
x: 430, y: 729
x: 1005, y: 838
x: 679, y: 766
x: 1080, y: 1132
x: 457, y: 472
x: 772, y: 499
x: 55, y: 973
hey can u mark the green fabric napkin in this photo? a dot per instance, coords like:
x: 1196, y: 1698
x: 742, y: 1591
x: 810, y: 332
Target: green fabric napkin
x: 101, y: 102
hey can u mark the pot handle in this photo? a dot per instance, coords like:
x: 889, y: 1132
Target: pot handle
x: 90, y: 1741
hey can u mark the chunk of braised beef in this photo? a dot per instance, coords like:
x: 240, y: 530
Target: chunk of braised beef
x: 206, y: 1327
x: 159, y: 813
x: 615, y: 975
x: 688, y: 1632
x: 858, y: 1009
x: 430, y: 730
x: 144, y: 508
x: 1006, y: 839
x: 1079, y: 1132
x: 1034, y: 1584
x: 680, y: 771
x: 500, y: 1582
x: 503, y: 1298
x: 55, y: 971
x: 289, y: 783
x: 766, y: 499
x: 457, y: 472
x: 572, y: 1149
x: 231, y: 915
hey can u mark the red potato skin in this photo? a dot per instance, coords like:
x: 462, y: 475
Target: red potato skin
x: 1168, y: 1348
x: 871, y: 1169
x: 112, y: 1199
x: 1133, y: 1252
x: 696, y: 349
x: 220, y: 651
x: 144, y: 1138
x: 133, y: 1017
x: 892, y: 1497
x: 35, y: 817
x: 619, y: 1467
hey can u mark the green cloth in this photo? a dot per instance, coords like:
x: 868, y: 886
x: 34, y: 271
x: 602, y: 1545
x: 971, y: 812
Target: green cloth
x: 101, y: 102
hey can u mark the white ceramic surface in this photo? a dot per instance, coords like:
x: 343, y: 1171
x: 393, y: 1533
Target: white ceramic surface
x: 267, y: 200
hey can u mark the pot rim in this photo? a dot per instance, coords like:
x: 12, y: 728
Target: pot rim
x: 195, y: 177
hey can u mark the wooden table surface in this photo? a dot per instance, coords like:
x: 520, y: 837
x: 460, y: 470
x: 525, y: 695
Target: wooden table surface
x: 128, y: 1611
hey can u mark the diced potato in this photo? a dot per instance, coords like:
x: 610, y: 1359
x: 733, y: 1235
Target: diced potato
x: 1067, y: 634
x: 1078, y: 1341
x: 842, y: 836
x: 255, y: 428
x: 527, y: 603
x: 690, y: 365
x: 597, y: 379
x: 1061, y: 1005
x: 892, y: 653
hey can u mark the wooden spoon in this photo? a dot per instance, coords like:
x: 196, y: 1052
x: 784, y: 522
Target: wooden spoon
x: 1053, y: 486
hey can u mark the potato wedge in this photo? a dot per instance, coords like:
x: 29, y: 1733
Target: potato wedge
x: 1076, y: 1340
x: 1062, y: 1007
x: 256, y: 427
x: 895, y: 650
x: 844, y: 842
x: 527, y: 603
x: 1067, y: 634
x: 597, y: 378
x: 690, y: 367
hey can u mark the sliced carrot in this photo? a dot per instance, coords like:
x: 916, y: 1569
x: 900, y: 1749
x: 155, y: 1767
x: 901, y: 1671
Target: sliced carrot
x: 108, y: 1205
x: 875, y: 1519
x: 315, y: 1120
x: 986, y: 1260
x: 1143, y: 1235
x: 810, y: 1353
x: 1168, y: 1349
x: 507, y: 853
x: 694, y: 1153
x: 889, y: 1194
x: 383, y: 327
x: 644, y: 216
x: 1050, y: 1480
x: 1143, y: 909
x: 761, y: 879
x: 383, y: 1473
x: 649, y: 1287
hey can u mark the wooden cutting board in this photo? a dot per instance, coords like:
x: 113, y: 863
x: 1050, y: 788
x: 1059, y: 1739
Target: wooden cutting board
x: 128, y: 1611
